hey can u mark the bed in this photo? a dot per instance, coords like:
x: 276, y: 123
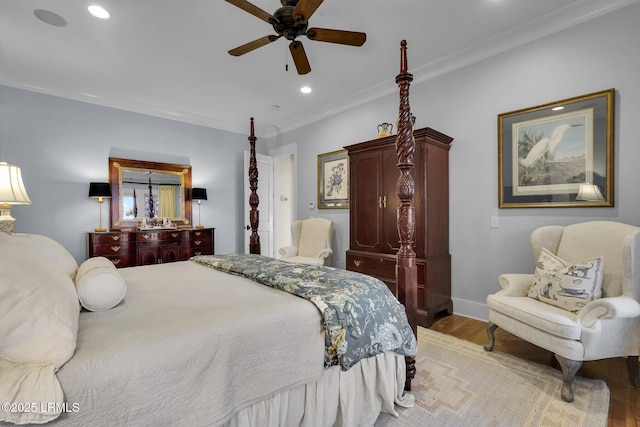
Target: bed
x: 238, y: 340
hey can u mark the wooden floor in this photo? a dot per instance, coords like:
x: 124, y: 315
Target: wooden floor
x: 624, y: 406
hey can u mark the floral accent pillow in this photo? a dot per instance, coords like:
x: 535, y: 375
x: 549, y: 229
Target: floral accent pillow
x: 566, y: 285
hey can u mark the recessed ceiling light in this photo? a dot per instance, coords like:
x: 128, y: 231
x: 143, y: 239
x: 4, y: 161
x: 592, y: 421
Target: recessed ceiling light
x: 99, y: 11
x: 305, y: 89
x: 50, y: 18
x: 557, y: 108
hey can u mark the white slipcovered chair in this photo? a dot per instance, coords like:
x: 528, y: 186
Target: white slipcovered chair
x: 605, y: 327
x: 311, y: 242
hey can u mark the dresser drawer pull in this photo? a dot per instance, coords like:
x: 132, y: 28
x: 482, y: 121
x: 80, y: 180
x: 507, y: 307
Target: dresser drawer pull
x: 357, y: 262
x: 146, y: 236
x: 198, y: 253
x: 115, y: 237
x: 198, y: 233
x: 174, y: 235
x: 115, y: 248
x: 115, y: 261
x: 197, y: 242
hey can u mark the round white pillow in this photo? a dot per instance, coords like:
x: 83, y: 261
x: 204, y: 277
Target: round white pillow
x: 100, y: 288
x: 91, y: 263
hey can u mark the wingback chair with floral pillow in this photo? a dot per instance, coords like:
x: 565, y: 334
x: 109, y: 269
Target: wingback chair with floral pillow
x: 583, y: 300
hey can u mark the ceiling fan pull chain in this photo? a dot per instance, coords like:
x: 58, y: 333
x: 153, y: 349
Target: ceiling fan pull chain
x: 286, y: 59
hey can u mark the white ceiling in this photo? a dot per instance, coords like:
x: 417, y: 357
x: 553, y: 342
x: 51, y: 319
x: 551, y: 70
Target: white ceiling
x: 168, y: 58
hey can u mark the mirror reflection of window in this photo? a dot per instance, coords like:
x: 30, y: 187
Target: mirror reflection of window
x: 165, y: 193
x: 128, y: 205
x: 167, y: 198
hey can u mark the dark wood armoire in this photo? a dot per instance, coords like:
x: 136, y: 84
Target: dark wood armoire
x: 373, y: 233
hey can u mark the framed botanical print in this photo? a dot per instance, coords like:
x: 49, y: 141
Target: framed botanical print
x: 558, y: 154
x: 333, y: 180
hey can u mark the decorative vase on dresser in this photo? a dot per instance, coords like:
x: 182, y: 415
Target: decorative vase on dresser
x: 130, y: 248
x: 373, y: 233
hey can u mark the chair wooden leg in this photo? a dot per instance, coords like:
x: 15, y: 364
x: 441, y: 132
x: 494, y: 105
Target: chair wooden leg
x: 634, y: 375
x: 569, y: 369
x: 491, y: 327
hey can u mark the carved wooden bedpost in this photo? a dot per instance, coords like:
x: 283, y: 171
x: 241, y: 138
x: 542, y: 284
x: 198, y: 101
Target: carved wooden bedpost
x: 406, y: 271
x: 254, y: 215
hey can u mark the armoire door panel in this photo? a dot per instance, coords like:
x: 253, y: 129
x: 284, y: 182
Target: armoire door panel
x: 391, y: 202
x: 365, y: 190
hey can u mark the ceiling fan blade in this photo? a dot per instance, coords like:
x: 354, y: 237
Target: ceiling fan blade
x: 306, y: 8
x: 251, y: 8
x: 299, y: 57
x: 351, y: 38
x: 248, y: 47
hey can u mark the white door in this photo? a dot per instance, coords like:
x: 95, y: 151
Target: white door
x: 265, y: 207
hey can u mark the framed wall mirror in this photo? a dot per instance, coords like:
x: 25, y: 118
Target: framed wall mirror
x: 149, y: 191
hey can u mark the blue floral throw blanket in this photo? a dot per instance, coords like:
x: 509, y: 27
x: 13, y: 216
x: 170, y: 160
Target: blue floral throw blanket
x: 361, y: 316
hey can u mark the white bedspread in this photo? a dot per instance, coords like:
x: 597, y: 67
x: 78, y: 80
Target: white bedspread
x: 188, y: 346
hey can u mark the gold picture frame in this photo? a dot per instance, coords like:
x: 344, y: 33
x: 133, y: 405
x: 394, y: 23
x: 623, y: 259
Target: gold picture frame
x: 558, y: 154
x: 333, y: 180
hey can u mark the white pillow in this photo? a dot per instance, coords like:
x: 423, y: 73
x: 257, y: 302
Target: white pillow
x: 91, y: 263
x: 564, y: 284
x: 51, y: 249
x: 38, y: 329
x: 99, y: 285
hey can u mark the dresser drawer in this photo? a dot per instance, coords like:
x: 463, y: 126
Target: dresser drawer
x: 113, y: 249
x: 188, y: 253
x: 159, y: 236
x: 104, y: 238
x: 382, y: 267
x: 201, y: 234
x: 201, y: 243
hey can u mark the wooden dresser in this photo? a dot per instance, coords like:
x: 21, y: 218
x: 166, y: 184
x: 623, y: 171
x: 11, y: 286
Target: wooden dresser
x: 373, y: 233
x: 130, y: 248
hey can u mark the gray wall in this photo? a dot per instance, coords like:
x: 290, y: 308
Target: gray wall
x: 464, y: 104
x: 62, y: 145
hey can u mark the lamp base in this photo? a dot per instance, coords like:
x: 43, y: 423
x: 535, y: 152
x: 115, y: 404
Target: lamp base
x: 7, y: 222
x: 101, y: 229
x: 199, y: 226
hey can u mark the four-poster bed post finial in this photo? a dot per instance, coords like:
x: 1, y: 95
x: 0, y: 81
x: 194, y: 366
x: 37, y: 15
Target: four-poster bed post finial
x: 254, y: 214
x: 406, y: 270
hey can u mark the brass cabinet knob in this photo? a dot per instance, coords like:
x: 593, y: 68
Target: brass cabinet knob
x: 357, y: 262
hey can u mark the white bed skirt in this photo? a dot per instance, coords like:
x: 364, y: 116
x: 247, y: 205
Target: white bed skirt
x: 372, y: 386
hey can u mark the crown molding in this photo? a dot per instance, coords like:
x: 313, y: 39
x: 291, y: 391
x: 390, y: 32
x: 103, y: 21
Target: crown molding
x: 552, y: 23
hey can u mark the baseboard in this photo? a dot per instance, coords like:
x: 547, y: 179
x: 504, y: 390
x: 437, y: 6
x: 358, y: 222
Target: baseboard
x: 472, y: 309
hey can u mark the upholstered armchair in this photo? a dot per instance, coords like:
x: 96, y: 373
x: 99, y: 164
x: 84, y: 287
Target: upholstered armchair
x: 551, y: 310
x: 311, y: 242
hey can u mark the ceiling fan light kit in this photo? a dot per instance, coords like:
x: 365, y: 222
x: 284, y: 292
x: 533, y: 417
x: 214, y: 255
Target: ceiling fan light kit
x: 291, y: 21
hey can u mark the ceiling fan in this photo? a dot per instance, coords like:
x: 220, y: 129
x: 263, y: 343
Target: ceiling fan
x: 291, y: 21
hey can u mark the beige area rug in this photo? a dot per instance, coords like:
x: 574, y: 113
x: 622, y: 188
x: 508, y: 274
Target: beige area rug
x: 460, y: 384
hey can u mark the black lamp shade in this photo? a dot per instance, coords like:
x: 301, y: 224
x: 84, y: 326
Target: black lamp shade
x: 99, y: 189
x: 199, y: 194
